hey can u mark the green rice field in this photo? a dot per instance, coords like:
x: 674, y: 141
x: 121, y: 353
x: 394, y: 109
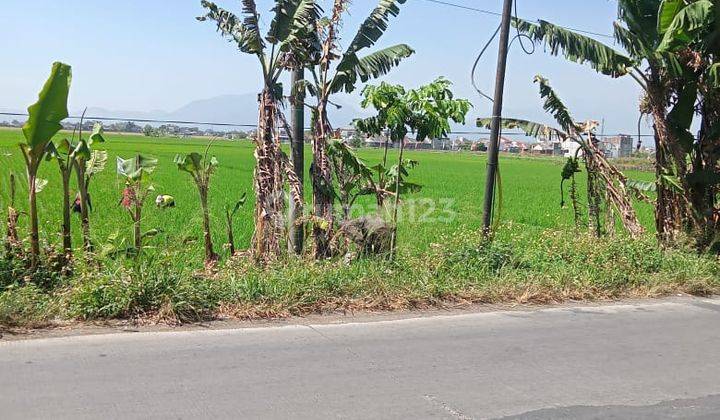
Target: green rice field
x: 451, y: 197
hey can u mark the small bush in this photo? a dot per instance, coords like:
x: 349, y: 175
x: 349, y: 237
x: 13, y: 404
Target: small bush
x: 27, y: 307
x: 150, y: 286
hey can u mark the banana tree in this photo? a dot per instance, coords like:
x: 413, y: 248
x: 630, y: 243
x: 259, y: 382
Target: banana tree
x: 690, y: 32
x: 13, y: 245
x: 335, y: 71
x: 289, y: 39
x: 201, y: 168
x: 426, y: 112
x: 43, y: 123
x: 63, y: 154
x: 640, y: 31
x: 88, y: 162
x: 136, y: 171
x: 605, y: 181
x: 230, y: 212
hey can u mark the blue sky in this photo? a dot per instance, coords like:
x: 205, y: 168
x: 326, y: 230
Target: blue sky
x: 145, y: 55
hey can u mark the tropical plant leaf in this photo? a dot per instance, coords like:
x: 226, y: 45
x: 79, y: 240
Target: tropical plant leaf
x: 713, y: 75
x: 531, y: 128
x: 641, y: 18
x: 40, y: 184
x: 45, y: 115
x: 644, y: 186
x: 368, y: 67
x: 577, y: 48
x: 97, y: 134
x: 554, y: 105
x: 630, y: 41
x: 668, y: 10
x: 135, y: 167
x: 238, y: 204
x: 682, y: 113
x: 342, y: 153
x: 671, y: 181
x: 375, y: 25
x: 96, y: 163
x: 687, y: 23
x: 246, y: 32
x: 292, y: 17
x: 190, y: 163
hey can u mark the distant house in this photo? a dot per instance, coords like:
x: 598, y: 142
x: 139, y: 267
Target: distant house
x: 570, y: 148
x: 617, y: 146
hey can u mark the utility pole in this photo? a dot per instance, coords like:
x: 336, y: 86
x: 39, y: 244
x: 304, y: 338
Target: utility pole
x: 492, y: 165
x: 297, y: 121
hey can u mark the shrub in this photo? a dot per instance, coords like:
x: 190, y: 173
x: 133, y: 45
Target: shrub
x: 26, y: 306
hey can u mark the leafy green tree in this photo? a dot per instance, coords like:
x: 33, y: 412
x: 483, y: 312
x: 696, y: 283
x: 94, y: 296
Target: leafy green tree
x: 290, y: 38
x: 425, y: 112
x: 136, y: 171
x: 43, y: 123
x: 201, y: 168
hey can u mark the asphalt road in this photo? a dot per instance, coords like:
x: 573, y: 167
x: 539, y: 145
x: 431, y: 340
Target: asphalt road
x: 652, y: 360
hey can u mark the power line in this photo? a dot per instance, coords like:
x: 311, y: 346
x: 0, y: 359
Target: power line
x: 491, y: 13
x: 225, y: 124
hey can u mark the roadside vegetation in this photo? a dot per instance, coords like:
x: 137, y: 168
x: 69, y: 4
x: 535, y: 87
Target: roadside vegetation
x: 387, y: 228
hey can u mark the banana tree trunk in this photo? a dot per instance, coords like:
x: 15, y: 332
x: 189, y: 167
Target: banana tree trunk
x: 269, y: 198
x: 84, y: 206
x: 322, y: 185
x: 66, y: 232
x: 34, y: 228
x: 210, y: 255
x: 230, y: 236
x: 670, y: 208
x: 137, y: 231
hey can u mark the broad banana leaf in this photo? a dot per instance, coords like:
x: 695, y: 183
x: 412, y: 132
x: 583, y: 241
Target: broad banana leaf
x: 578, y: 48
x: 245, y: 32
x: 45, y: 115
x: 134, y: 168
x: 530, y: 128
x: 686, y: 24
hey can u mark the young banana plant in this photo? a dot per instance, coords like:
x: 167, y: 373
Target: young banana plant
x: 229, y: 216
x: 87, y: 162
x: 43, y: 123
x: 63, y: 153
x: 201, y: 168
x: 136, y: 171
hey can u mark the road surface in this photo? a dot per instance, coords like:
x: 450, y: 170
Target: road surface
x: 652, y: 360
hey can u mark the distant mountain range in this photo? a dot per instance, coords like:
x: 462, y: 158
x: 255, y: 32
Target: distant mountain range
x: 236, y: 109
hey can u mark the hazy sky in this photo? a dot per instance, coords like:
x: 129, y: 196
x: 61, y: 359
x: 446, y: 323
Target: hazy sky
x: 145, y: 55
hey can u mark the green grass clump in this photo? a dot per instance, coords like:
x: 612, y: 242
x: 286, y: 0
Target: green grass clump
x: 27, y: 306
